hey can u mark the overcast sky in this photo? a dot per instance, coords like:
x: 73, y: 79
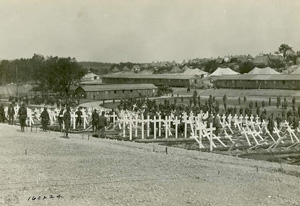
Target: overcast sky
x: 146, y: 30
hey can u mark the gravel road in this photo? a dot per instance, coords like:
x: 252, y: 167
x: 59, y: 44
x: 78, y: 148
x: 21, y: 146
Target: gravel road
x: 109, y: 172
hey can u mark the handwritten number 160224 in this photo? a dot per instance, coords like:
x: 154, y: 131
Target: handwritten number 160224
x: 51, y: 197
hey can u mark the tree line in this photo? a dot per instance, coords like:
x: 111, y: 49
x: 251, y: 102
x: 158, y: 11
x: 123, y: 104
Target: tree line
x: 48, y: 74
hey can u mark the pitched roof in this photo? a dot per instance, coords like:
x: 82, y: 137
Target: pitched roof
x: 109, y: 87
x: 115, y: 69
x: 260, y: 77
x: 175, y: 69
x: 261, y: 60
x: 195, y: 72
x: 126, y: 69
x: 266, y: 70
x: 150, y: 76
x: 296, y: 71
x: 223, y: 71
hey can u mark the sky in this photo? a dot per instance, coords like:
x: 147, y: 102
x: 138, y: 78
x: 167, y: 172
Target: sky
x: 146, y: 30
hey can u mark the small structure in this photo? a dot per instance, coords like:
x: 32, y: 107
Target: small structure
x: 115, y: 91
x: 172, y: 80
x: 262, y: 61
x: 196, y: 71
x: 266, y: 70
x: 136, y: 68
x: 176, y: 69
x: 259, y: 81
x: 185, y: 68
x: 223, y: 71
x: 115, y: 70
x: 89, y: 77
x: 126, y: 69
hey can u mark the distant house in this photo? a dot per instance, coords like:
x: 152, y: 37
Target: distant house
x: 89, y: 77
x: 115, y: 69
x: 115, y: 91
x: 276, y: 57
x: 136, y: 68
x: 185, y: 68
x: 175, y: 69
x: 220, y: 60
x: 126, y: 69
x: 262, y: 61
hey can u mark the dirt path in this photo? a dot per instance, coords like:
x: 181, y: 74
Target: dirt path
x: 107, y: 172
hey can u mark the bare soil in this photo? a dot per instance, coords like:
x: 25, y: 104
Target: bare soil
x: 110, y: 172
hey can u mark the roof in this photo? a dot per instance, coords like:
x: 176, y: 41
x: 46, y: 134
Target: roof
x: 89, y: 75
x: 260, y: 77
x: 150, y: 76
x: 261, y: 60
x: 195, y: 72
x: 11, y: 89
x: 175, y: 69
x: 266, y: 70
x: 296, y: 71
x: 126, y: 69
x: 115, y: 69
x: 223, y: 71
x: 95, y: 82
x: 108, y: 87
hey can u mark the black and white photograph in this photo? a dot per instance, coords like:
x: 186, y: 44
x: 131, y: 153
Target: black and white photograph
x: 150, y: 102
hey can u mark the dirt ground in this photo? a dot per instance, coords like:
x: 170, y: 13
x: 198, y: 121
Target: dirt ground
x: 106, y: 172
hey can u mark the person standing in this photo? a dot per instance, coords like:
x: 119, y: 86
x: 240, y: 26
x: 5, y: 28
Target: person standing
x: 102, y: 124
x: 22, y: 117
x: 11, y: 114
x: 95, y: 120
x: 278, y: 121
x: 2, y: 113
x: 60, y: 119
x: 45, y: 119
x: 67, y: 121
x: 271, y: 124
x: 78, y: 118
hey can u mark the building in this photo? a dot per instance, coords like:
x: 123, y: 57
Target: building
x: 115, y: 91
x: 90, y: 77
x: 171, y: 80
x: 262, y: 61
x: 259, y: 81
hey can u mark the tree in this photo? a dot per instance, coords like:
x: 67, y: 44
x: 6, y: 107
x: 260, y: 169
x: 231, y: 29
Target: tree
x: 246, y: 67
x: 58, y: 74
x: 283, y: 48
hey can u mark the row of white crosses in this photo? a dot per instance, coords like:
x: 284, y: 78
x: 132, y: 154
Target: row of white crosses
x: 34, y: 115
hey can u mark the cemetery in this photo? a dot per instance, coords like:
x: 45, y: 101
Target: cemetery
x: 195, y: 131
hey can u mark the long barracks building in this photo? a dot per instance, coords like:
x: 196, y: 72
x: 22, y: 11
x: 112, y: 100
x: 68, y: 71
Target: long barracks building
x: 173, y: 80
x: 259, y: 81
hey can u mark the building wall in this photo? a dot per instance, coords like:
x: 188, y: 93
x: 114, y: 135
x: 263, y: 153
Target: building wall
x: 156, y: 82
x: 118, y: 94
x: 258, y: 84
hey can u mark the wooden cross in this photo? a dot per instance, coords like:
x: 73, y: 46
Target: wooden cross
x: 176, y: 122
x: 73, y: 119
x: 210, y: 130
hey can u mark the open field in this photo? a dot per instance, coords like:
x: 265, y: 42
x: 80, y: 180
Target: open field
x: 107, y: 172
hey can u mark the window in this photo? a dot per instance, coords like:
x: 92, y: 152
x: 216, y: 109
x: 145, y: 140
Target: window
x: 283, y: 81
x: 130, y: 90
x: 123, y: 91
x: 115, y: 91
x: 106, y: 92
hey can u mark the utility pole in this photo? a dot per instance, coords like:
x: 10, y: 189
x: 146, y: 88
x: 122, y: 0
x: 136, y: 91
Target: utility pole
x: 17, y: 81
